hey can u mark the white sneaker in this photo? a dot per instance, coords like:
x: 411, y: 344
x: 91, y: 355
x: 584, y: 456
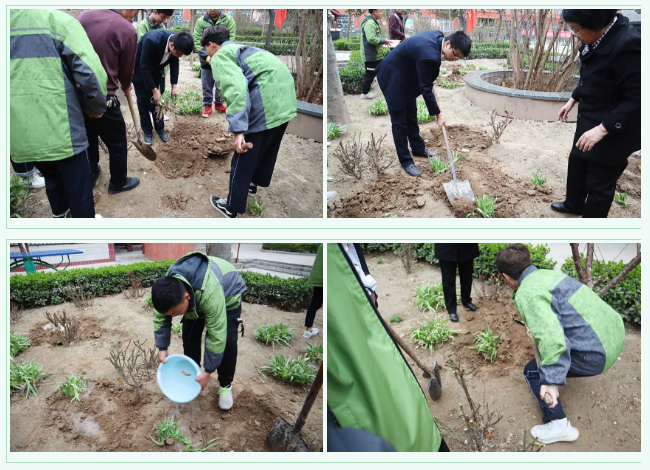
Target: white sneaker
x: 225, y: 397
x: 369, y: 96
x: 35, y: 181
x: 309, y: 334
x: 165, y: 117
x: 550, y: 432
x: 331, y: 194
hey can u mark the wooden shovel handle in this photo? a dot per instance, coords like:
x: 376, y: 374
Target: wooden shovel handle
x: 247, y: 145
x: 408, y: 350
x: 311, y: 397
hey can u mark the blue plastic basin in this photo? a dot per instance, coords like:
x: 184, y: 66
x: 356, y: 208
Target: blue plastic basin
x: 177, y: 378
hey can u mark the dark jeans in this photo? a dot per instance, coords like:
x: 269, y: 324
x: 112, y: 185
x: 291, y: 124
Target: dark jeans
x: 371, y: 66
x: 406, y: 130
x: 448, y: 271
x: 255, y: 166
x: 145, y: 106
x: 112, y: 130
x: 590, y: 188
x: 192, y: 332
x: 68, y: 185
x: 531, y: 373
x: 316, y: 303
x: 22, y: 169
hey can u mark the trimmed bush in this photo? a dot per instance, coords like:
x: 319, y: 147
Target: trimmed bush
x: 292, y: 247
x: 625, y: 297
x: 353, y: 73
x: 275, y: 49
x: 293, y: 294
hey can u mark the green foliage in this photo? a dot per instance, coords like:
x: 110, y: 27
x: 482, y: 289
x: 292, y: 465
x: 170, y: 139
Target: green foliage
x: 148, y: 301
x: 17, y: 343
x: 537, y: 179
x: 489, y: 50
x: 291, y: 371
x: 353, y: 73
x: 486, y: 206
x: 256, y: 206
x: 621, y: 199
x: 195, y: 68
x: 378, y: 107
x: 395, y: 319
x: 24, y: 376
x: 169, y: 429
x: 293, y: 294
x: 178, y: 329
x: 343, y: 45
x: 442, y: 71
x: 333, y: 130
x: 447, y: 83
x: 433, y: 333
x: 485, y: 268
x: 314, y: 353
x: 463, y: 71
x: 73, y: 387
x: 482, y: 67
x: 429, y: 297
x: 437, y: 165
x: 275, y: 49
x: 271, y: 334
x: 380, y: 261
x: 470, y: 65
x: 486, y: 343
x: 625, y: 297
x: 187, y: 102
x: 423, y: 112
x: 370, y: 247
x: 18, y: 193
x: 292, y: 247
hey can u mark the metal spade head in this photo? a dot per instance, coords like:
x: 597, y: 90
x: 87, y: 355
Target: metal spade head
x: 434, y: 388
x: 278, y: 439
x: 455, y: 188
x: 146, y: 150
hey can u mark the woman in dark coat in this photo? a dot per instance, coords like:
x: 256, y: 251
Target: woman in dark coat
x: 609, y: 113
x: 451, y: 255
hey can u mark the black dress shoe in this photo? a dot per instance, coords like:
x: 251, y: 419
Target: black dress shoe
x: 131, y: 183
x: 163, y: 135
x: 470, y: 306
x: 412, y: 170
x: 559, y: 207
x: 427, y: 153
x: 453, y: 316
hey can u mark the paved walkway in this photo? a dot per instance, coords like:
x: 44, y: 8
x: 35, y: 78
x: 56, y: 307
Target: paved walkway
x: 254, y: 251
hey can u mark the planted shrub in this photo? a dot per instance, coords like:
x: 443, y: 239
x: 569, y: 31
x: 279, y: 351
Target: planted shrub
x: 537, y: 179
x: 256, y: 206
x: 378, y: 107
x: 433, y: 333
x: 74, y: 387
x: 395, y: 319
x: 291, y: 371
x: 621, y: 199
x: 271, y: 334
x: 24, y: 376
x: 423, y: 112
x: 17, y: 343
x: 486, y: 343
x: 430, y: 297
x: 169, y: 431
x: 353, y: 73
x: 333, y: 130
x: 293, y: 294
x: 315, y: 353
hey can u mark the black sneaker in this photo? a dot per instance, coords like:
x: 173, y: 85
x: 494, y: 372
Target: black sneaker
x: 131, y: 183
x: 148, y: 139
x: 252, y: 190
x: 222, y: 206
x: 164, y: 136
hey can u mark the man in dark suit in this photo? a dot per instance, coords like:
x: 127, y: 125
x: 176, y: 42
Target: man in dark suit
x: 157, y: 49
x: 408, y: 72
x: 462, y: 255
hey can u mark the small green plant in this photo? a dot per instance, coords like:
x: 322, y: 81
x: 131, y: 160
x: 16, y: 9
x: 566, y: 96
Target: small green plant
x: 470, y: 65
x: 170, y: 429
x: 333, y: 130
x: 433, y: 333
x: 17, y: 343
x: 395, y: 319
x: 315, y: 353
x: 148, y: 301
x: 443, y: 70
x: 292, y: 371
x: 458, y: 156
x: 430, y: 297
x: 178, y: 329
x: 380, y: 261
x: 537, y: 179
x: 24, y: 376
x: 463, y: 71
x: 196, y: 67
x: 378, y: 107
x: 621, y: 199
x: 423, y: 112
x: 447, y: 84
x: 482, y: 67
x: 74, y: 387
x: 255, y: 206
x: 271, y: 334
x: 486, y: 206
x: 18, y: 193
x: 186, y: 103
x: 437, y: 165
x: 486, y: 343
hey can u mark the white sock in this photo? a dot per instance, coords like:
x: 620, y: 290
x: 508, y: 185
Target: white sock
x: 561, y: 424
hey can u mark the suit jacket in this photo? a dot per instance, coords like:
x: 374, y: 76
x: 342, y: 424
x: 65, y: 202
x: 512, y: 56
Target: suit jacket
x: 151, y: 49
x: 410, y: 70
x: 396, y: 27
x: 456, y: 252
x: 609, y: 91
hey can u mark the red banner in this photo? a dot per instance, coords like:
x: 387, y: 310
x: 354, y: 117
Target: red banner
x: 280, y: 15
x: 471, y: 20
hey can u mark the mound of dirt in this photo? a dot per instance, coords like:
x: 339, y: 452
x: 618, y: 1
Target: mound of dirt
x: 176, y: 202
x: 462, y: 207
x: 88, y: 329
x: 460, y: 137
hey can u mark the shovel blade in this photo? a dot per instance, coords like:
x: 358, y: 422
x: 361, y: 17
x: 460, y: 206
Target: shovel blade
x: 434, y: 389
x: 278, y: 438
x: 146, y: 150
x: 457, y: 188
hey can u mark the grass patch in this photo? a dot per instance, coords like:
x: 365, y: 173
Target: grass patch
x: 73, y: 387
x: 23, y: 377
x: 378, y: 107
x: 430, y: 297
x: 333, y: 130
x: 395, y: 319
x: 255, y: 206
x: 447, y: 84
x: 17, y: 343
x: 291, y: 371
x: 380, y: 261
x: 170, y: 429
x: 315, y: 353
x: 537, y: 179
x: 621, y: 199
x: 423, y: 112
x: 433, y: 333
x: 486, y: 343
x: 271, y: 334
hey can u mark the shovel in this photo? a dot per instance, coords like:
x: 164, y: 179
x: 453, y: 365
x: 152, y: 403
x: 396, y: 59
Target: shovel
x: 146, y: 150
x: 211, y: 154
x: 286, y: 438
x: 455, y: 188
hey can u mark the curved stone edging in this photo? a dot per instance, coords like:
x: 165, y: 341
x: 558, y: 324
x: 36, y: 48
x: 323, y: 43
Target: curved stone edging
x: 475, y: 80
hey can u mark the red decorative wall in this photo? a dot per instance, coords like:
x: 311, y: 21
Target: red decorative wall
x: 160, y: 251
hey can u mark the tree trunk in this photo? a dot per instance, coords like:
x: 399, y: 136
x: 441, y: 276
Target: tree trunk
x: 585, y: 274
x: 192, y: 25
x: 220, y: 250
x: 462, y: 23
x: 270, y: 30
x: 337, y: 110
x: 496, y: 38
x: 350, y: 23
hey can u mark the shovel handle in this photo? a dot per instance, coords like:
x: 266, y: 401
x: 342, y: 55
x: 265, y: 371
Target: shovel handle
x: 451, y: 157
x: 408, y: 350
x: 311, y: 398
x: 135, y: 121
x: 247, y: 145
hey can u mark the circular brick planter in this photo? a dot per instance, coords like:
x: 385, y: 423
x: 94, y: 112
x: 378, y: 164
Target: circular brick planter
x: 482, y: 90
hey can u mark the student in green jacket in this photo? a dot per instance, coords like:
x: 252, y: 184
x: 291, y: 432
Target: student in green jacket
x: 261, y: 98
x: 372, y: 49
x: 315, y: 281
x: 156, y: 20
x: 577, y: 334
x: 211, y: 18
x: 206, y: 291
x: 55, y: 78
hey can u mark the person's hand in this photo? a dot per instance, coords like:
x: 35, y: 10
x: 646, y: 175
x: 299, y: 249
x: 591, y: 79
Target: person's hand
x: 207, y: 59
x: 162, y: 357
x: 563, y: 115
x: 95, y: 116
x: 174, y: 92
x: 552, y: 391
x: 203, y: 379
x: 156, y: 95
x: 440, y: 121
x: 590, y: 138
x: 239, y: 143
x: 127, y: 89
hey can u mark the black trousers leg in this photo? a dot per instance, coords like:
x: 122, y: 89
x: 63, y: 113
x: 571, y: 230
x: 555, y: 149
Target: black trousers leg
x: 145, y: 106
x: 93, y: 144
x: 192, y: 332
x: 576, y: 184
x: 370, y: 75
x: 448, y: 271
x: 399, y: 124
x: 465, y: 271
x: 316, y: 303
x: 112, y: 130
x: 22, y: 169
x: 413, y: 130
x: 601, y: 187
x: 226, y: 370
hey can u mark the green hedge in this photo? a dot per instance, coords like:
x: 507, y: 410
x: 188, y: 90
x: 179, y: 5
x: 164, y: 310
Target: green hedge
x: 625, y: 297
x: 353, y: 73
x: 343, y: 45
x: 38, y: 289
x: 258, y: 32
x: 292, y: 247
x: 275, y: 49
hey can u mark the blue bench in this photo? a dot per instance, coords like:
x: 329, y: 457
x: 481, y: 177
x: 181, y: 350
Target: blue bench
x: 29, y: 260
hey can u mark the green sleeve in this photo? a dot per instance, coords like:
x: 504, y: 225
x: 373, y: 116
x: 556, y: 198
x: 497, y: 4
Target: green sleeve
x: 234, y: 88
x: 198, y: 32
x: 232, y: 27
x: 162, y: 325
x: 142, y: 29
x: 213, y: 305
x: 371, y: 34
